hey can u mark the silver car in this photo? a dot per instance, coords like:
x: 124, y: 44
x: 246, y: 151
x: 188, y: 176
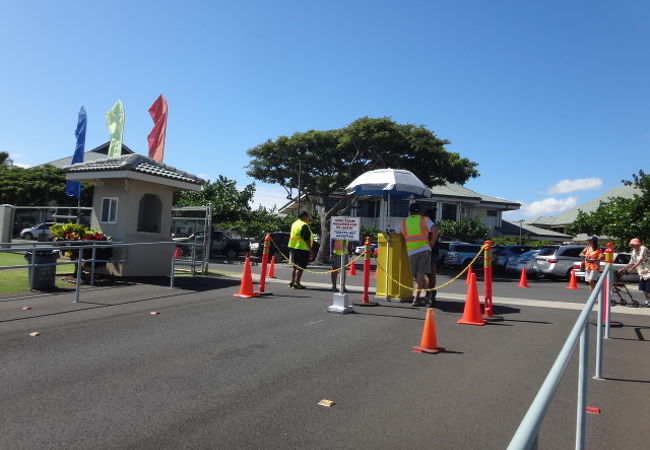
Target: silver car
x: 516, y: 263
x: 556, y: 261
x: 42, y: 229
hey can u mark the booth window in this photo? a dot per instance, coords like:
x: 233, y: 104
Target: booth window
x: 149, y: 214
x: 109, y: 210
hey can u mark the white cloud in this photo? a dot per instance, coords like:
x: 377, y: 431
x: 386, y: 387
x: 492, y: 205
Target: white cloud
x: 547, y: 206
x: 24, y: 166
x: 579, y: 184
x: 269, y: 196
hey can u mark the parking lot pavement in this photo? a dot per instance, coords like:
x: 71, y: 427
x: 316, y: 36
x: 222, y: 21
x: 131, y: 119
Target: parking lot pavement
x: 215, y: 371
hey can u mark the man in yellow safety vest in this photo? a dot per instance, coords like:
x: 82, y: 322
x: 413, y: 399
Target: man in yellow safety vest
x: 338, y: 247
x: 418, y: 232
x: 301, y: 240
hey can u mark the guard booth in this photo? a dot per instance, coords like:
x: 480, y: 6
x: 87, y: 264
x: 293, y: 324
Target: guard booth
x: 393, y: 270
x: 132, y: 203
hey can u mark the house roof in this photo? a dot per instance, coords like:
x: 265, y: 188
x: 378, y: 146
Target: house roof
x: 512, y: 229
x: 449, y: 192
x: 95, y: 154
x: 134, y: 163
x: 454, y: 190
x: 569, y: 216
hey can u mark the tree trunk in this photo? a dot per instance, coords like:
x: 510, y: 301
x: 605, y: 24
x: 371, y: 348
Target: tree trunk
x: 342, y: 207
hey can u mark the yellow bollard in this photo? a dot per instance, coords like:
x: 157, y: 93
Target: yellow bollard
x: 394, y: 260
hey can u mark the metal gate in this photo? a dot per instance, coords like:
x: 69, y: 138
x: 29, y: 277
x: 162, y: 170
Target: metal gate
x: 192, y: 230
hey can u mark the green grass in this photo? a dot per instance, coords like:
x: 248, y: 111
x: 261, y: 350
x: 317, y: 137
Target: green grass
x: 15, y: 280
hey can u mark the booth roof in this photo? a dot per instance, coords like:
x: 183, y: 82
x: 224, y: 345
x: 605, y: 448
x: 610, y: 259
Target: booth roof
x: 135, y: 163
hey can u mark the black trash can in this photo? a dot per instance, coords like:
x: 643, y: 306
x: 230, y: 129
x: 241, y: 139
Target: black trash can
x: 42, y: 277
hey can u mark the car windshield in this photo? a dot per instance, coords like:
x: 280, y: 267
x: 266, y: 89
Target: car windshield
x: 547, y: 251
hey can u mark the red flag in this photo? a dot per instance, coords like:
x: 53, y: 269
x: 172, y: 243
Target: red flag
x: 156, y: 139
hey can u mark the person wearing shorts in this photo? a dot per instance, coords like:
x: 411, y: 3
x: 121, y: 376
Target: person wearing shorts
x: 301, y: 240
x: 592, y: 256
x: 640, y: 260
x: 416, y: 230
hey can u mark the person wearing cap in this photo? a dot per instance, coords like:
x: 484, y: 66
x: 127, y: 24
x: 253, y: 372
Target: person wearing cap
x: 417, y: 231
x: 592, y: 257
x: 640, y: 260
x: 301, y: 240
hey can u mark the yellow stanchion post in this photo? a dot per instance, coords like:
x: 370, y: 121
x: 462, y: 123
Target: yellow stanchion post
x: 393, y: 270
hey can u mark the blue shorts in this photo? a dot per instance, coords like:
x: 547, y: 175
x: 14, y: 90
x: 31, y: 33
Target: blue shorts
x: 644, y: 285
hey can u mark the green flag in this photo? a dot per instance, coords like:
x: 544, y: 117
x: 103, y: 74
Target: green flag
x: 115, y: 124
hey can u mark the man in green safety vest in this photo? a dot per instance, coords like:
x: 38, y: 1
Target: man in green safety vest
x: 418, y: 232
x: 301, y: 240
x: 338, y: 247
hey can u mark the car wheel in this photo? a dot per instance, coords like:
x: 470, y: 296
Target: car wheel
x: 28, y: 236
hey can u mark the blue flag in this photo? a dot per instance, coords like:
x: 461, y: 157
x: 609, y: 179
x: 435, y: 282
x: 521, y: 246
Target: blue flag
x: 73, y: 188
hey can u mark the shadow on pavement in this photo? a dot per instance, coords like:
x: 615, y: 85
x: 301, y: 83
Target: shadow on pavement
x: 197, y: 283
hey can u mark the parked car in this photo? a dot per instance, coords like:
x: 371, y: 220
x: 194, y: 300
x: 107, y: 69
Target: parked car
x: 359, y: 249
x: 502, y: 253
x: 556, y: 261
x: 279, y: 245
x: 620, y: 261
x: 41, y: 229
x: 518, y: 262
x: 460, y: 255
x: 443, y: 249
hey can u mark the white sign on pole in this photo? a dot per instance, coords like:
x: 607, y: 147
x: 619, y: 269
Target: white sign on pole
x: 347, y: 228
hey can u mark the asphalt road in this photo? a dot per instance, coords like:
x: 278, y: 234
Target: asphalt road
x: 215, y: 371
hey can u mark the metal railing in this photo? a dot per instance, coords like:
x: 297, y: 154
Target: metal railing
x: 83, y: 246
x: 527, y: 435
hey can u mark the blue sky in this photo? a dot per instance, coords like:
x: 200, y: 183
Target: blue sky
x: 537, y: 93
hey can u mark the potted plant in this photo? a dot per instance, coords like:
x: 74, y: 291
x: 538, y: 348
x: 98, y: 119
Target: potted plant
x: 71, y: 232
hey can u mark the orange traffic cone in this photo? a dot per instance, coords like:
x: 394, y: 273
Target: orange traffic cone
x: 272, y: 268
x: 472, y: 311
x: 177, y: 253
x: 572, y: 281
x: 469, y: 275
x: 353, y: 269
x: 246, y: 287
x: 428, y: 343
x: 523, y: 281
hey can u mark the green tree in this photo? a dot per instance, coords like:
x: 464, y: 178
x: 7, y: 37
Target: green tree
x: 39, y: 186
x: 229, y: 204
x: 620, y: 218
x: 260, y: 221
x: 4, y: 160
x: 468, y: 230
x: 326, y: 161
